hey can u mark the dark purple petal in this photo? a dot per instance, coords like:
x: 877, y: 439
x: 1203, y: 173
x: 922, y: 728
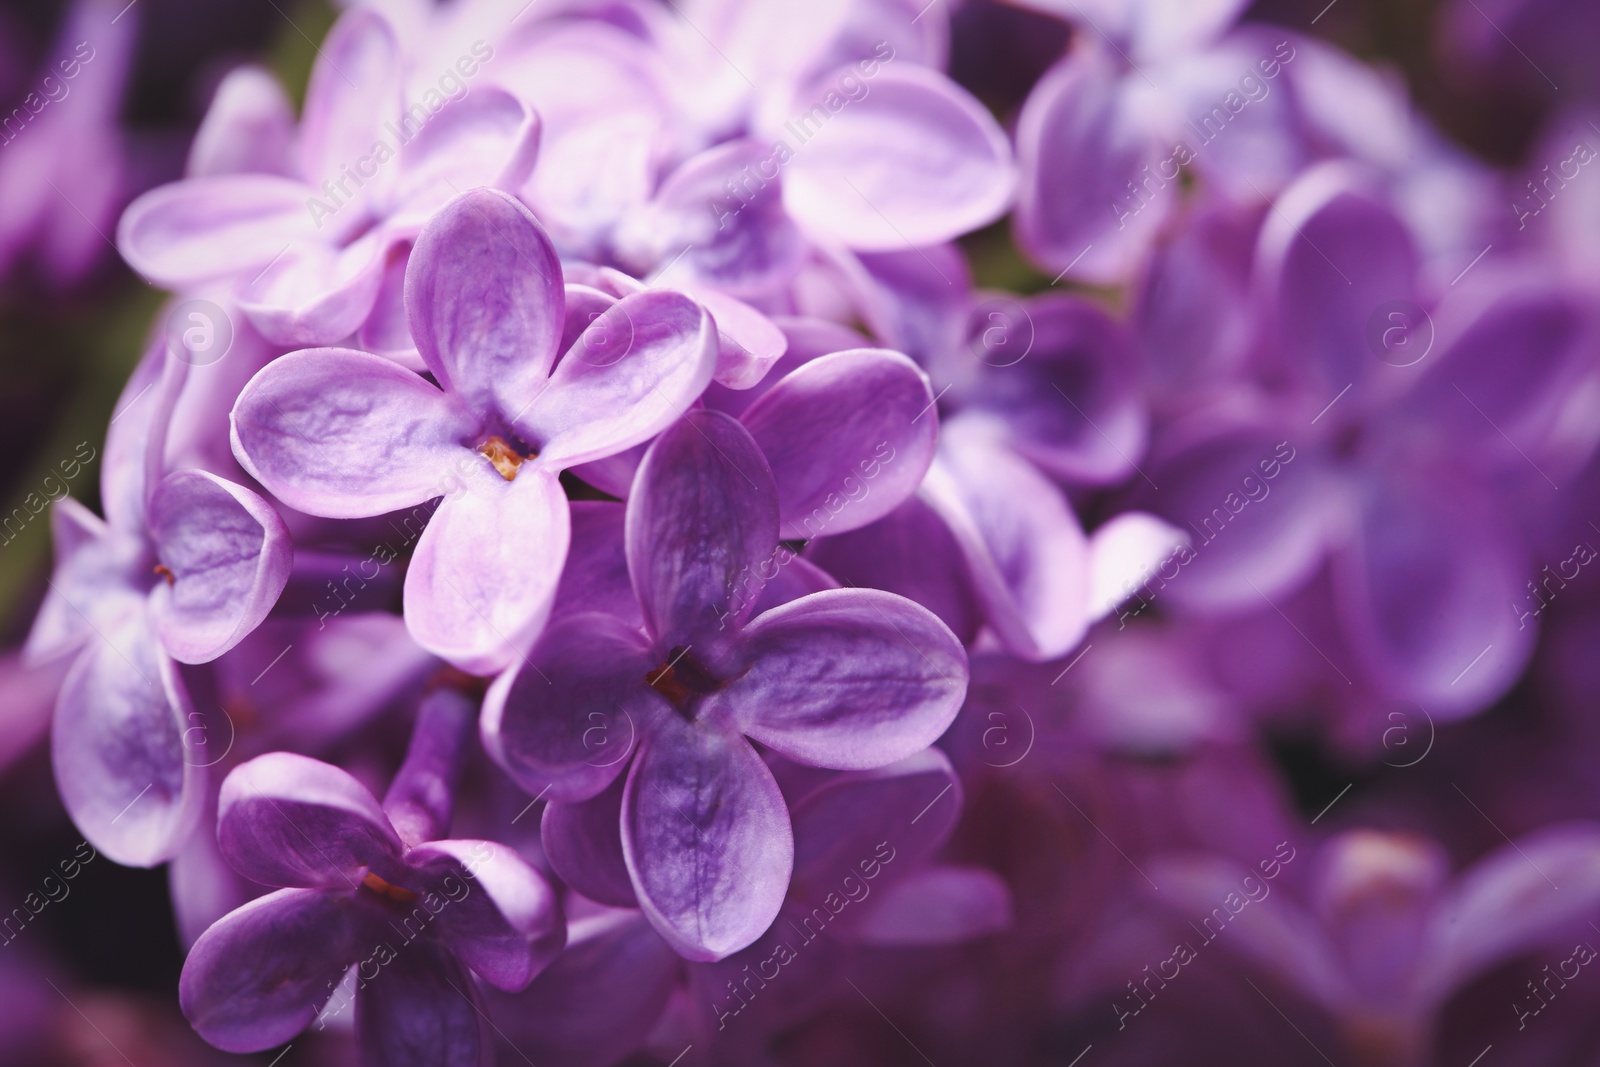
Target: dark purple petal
x: 422, y: 1010
x: 567, y: 718
x: 848, y: 436
x: 848, y: 678
x: 485, y: 295
x: 485, y: 571
x: 596, y: 575
x: 348, y: 434
x: 583, y: 842
x: 229, y: 556
x: 120, y: 746
x: 706, y: 836
x: 912, y: 552
x: 262, y: 973
x: 498, y: 915
x: 631, y: 374
x: 703, y: 511
x: 289, y: 820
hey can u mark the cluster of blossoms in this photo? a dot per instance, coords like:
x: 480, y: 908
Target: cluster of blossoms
x: 827, y: 658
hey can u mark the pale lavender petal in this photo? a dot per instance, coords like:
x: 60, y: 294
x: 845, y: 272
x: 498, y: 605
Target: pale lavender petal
x: 1026, y: 554
x: 497, y: 914
x: 484, y: 293
x: 228, y: 554
x: 348, y: 434
x: 918, y: 161
x: 484, y: 138
x: 484, y: 574
x: 317, y: 294
x: 354, y: 89
x: 1124, y: 553
x: 89, y: 563
x: 260, y: 975
x: 750, y: 342
x: 205, y: 228
x: 123, y: 763
x: 288, y: 820
x: 631, y: 374
x: 564, y: 722
x: 248, y: 129
x: 706, y: 836
x: 848, y: 678
x: 703, y: 511
x: 848, y: 436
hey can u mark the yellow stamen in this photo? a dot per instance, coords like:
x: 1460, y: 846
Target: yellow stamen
x: 506, y: 459
x: 387, y: 889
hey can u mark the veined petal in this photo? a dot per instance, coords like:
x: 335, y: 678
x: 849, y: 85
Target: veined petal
x: 506, y: 923
x: 346, y: 434
x: 632, y: 373
x: 261, y: 974
x: 229, y: 555
x: 423, y: 1011
x: 289, y: 820
x: 848, y: 678
x: 485, y: 571
x: 707, y: 838
x: 204, y: 228
x: 702, y: 513
x: 566, y: 720
x: 485, y: 297
x: 848, y: 436
x: 583, y: 842
x: 119, y: 746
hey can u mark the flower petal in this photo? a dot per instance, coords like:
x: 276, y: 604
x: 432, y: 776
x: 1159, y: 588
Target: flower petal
x: 422, y: 1010
x: 596, y: 574
x: 289, y: 820
x: 124, y: 768
x: 484, y: 138
x: 506, y: 924
x: 566, y: 720
x: 90, y: 562
x: 205, y: 228
x: 248, y: 129
x: 485, y: 295
x: 750, y: 343
x: 1084, y: 133
x: 702, y: 512
x: 485, y: 571
x: 706, y: 836
x: 229, y: 555
x: 316, y: 294
x: 848, y: 678
x: 583, y: 843
x: 917, y: 161
x: 261, y: 974
x: 354, y: 89
x: 627, y: 377
x: 346, y: 434
x: 1025, y: 551
x: 848, y: 436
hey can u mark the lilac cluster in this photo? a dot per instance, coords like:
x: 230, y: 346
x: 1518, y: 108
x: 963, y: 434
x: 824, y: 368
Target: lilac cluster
x: 827, y: 657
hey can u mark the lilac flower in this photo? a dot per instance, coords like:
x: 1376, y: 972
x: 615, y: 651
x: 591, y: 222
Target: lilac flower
x: 182, y: 568
x: 342, y: 433
x: 843, y: 678
x: 1384, y: 936
x: 369, y: 887
x: 306, y: 247
x: 865, y: 877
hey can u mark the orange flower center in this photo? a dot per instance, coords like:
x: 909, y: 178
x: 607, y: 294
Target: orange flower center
x: 498, y: 451
x: 387, y: 889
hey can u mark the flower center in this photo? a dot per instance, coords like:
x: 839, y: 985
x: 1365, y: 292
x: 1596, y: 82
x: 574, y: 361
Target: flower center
x: 387, y: 889
x: 165, y: 572
x: 681, y: 679
x: 506, y: 459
